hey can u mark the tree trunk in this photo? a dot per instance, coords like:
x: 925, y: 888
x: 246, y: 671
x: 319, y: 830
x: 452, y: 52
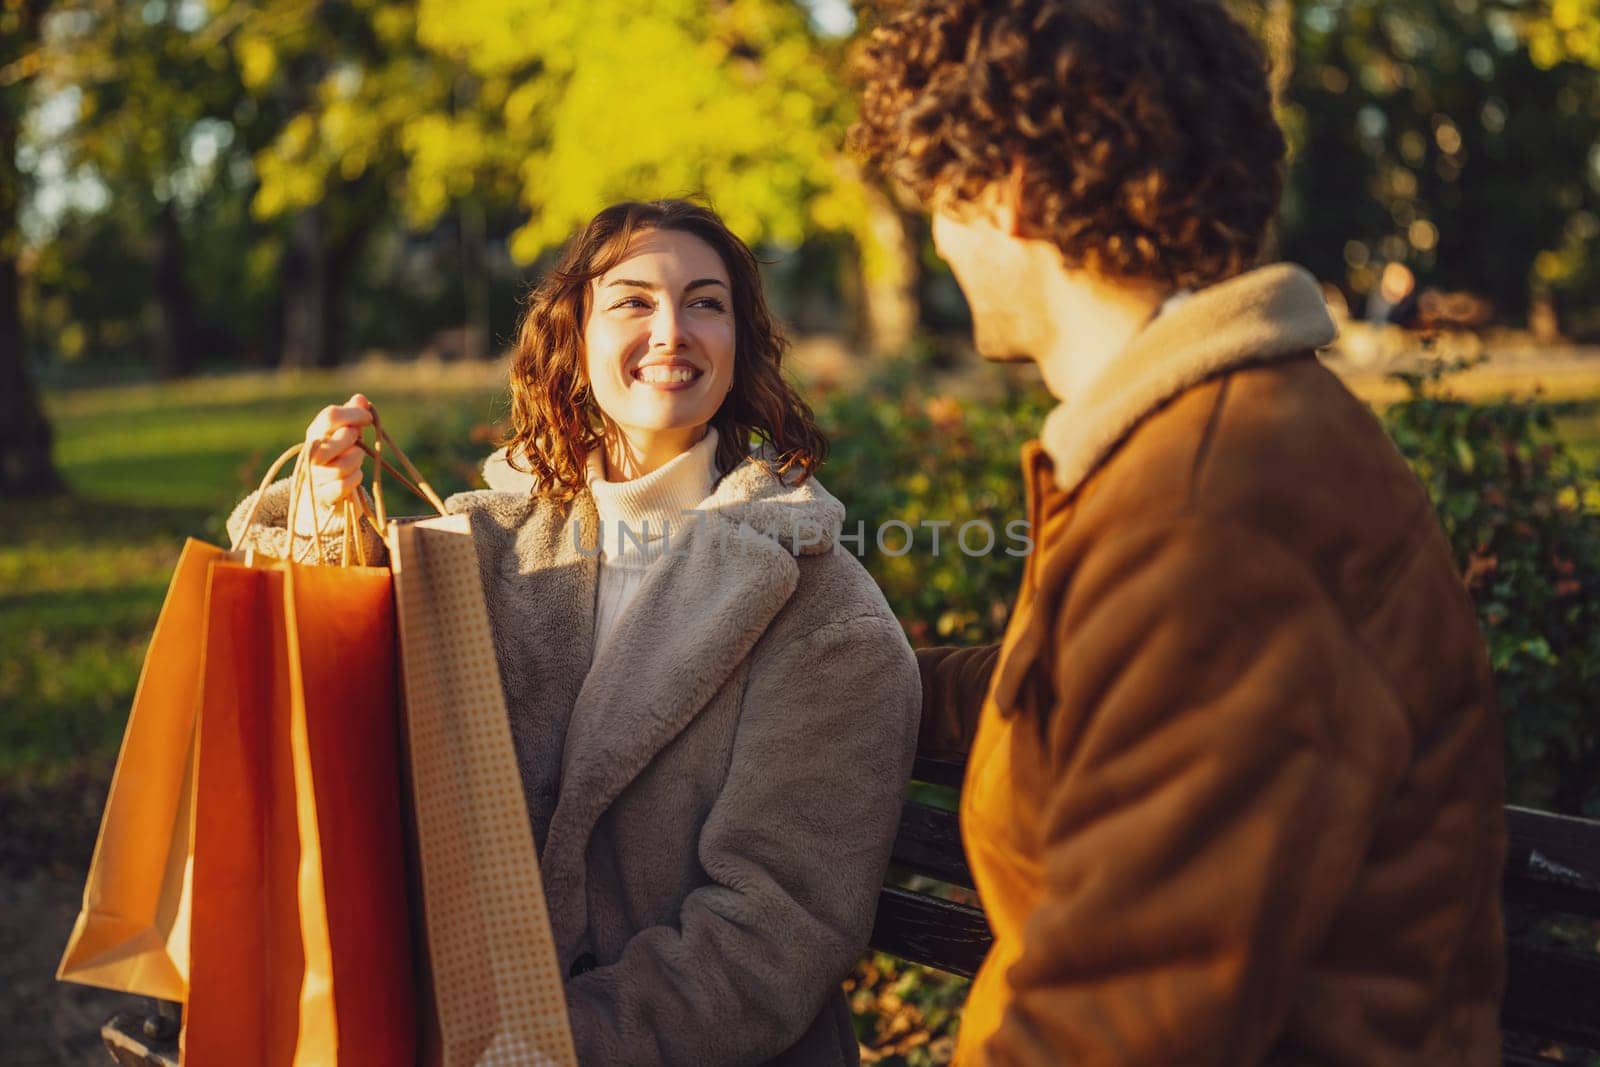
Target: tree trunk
x: 26, y: 468
x: 306, y: 315
x: 889, y: 273
x: 176, y: 355
x: 314, y: 271
x: 476, y: 342
x: 1277, y: 35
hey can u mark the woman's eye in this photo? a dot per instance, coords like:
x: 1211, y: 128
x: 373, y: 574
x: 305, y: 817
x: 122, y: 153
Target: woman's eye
x: 630, y: 302
x: 712, y: 303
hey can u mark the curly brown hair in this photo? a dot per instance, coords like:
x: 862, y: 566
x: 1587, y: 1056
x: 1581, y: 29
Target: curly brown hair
x: 555, y: 421
x: 1144, y: 128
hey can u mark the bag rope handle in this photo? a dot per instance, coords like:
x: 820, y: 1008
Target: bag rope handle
x: 353, y: 509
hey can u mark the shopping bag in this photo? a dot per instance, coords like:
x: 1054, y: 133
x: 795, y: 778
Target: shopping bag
x: 251, y: 854
x: 300, y: 946
x: 132, y: 932
x: 497, y: 986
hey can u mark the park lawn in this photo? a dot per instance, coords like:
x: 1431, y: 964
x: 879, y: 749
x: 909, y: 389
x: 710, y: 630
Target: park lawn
x: 82, y: 577
x: 1579, y: 427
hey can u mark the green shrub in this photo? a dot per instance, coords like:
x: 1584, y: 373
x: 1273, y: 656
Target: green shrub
x: 1523, y: 520
x: 904, y: 452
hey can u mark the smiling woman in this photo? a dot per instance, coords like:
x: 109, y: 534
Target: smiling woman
x: 659, y: 349
x: 652, y: 328
x: 714, y: 714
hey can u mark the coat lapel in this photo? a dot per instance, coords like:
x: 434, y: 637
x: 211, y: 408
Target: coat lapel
x: 693, y: 621
x: 543, y: 654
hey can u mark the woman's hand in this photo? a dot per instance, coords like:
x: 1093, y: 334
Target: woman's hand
x: 334, y: 458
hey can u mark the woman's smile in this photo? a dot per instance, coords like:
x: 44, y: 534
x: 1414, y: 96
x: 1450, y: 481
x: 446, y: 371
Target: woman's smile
x: 671, y: 375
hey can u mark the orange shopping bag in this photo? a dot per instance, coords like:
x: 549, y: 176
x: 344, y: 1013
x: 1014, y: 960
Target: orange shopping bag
x: 133, y: 931
x: 290, y: 935
x: 300, y: 927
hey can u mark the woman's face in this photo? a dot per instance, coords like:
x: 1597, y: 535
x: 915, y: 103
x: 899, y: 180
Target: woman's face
x: 659, y: 341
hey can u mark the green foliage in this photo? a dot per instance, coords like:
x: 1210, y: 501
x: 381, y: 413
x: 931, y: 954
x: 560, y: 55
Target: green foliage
x: 740, y: 101
x: 1523, y: 520
x: 1563, y: 31
x: 1427, y: 132
x: 904, y: 452
x: 903, y: 1013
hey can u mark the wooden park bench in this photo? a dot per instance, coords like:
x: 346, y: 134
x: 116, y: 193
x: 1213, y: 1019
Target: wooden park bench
x: 1552, y: 871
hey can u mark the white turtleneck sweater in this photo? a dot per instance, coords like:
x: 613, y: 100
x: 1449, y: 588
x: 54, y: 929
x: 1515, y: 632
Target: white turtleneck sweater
x: 655, y: 503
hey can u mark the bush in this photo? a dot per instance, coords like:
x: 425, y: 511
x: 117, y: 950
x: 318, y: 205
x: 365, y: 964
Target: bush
x: 1523, y: 520
x: 902, y: 452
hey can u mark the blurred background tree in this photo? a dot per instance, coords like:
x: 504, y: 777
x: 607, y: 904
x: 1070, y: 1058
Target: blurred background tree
x: 26, y: 468
x: 295, y: 183
x: 1444, y: 135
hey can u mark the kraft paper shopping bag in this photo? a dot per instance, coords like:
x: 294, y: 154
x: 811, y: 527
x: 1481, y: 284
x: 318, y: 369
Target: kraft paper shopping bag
x: 496, y: 982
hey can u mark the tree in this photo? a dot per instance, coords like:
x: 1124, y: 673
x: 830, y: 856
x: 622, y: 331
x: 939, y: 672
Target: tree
x: 26, y: 468
x: 741, y: 102
x: 1434, y: 133
x: 350, y: 78
x: 148, y: 85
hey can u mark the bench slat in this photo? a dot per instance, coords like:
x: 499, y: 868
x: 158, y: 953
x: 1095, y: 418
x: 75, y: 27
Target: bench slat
x: 1550, y: 992
x: 929, y: 842
x: 939, y: 771
x: 1554, y: 993
x: 929, y: 931
x: 1553, y: 862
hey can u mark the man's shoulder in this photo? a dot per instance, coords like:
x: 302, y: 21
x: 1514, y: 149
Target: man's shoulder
x: 1282, y: 449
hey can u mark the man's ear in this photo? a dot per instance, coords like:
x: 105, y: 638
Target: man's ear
x: 1008, y: 200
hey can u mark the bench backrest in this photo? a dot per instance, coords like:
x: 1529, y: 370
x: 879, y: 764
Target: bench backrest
x: 1552, y: 875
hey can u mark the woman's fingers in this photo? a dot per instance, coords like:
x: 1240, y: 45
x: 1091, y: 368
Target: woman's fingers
x: 331, y: 446
x: 345, y: 459
x: 331, y: 484
x: 357, y: 413
x: 337, y: 447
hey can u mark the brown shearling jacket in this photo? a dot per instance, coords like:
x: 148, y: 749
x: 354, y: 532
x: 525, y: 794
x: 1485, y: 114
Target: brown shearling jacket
x: 1234, y: 794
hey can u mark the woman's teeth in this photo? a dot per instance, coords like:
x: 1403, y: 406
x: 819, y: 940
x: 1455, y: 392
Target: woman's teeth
x: 667, y: 374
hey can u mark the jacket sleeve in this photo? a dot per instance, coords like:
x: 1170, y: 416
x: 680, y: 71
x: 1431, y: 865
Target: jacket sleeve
x: 269, y: 530
x: 795, y: 848
x: 1217, y: 753
x: 955, y: 682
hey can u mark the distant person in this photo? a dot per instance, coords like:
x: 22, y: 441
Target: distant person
x: 715, y: 714
x: 1234, y: 789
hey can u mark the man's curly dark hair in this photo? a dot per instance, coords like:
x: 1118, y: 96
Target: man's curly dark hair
x: 1144, y: 127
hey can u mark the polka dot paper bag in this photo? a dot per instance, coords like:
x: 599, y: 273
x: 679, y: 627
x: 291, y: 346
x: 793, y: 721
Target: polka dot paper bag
x: 496, y: 984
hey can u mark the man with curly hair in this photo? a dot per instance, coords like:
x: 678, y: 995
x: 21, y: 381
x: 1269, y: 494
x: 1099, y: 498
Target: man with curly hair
x: 1234, y: 786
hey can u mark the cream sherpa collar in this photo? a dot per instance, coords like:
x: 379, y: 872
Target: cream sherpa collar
x: 1266, y: 314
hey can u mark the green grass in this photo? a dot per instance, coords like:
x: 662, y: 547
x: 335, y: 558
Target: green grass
x: 82, y: 577
x: 1579, y: 426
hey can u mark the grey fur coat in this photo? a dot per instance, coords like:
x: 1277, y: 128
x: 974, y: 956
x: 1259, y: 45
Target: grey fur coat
x: 715, y: 800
